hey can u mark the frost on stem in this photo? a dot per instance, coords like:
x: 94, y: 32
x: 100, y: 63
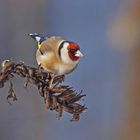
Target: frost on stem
x: 61, y: 98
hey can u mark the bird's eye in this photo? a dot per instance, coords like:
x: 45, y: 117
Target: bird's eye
x: 73, y: 51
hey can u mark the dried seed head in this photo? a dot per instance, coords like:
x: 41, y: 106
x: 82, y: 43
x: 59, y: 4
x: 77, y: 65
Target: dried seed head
x: 61, y: 98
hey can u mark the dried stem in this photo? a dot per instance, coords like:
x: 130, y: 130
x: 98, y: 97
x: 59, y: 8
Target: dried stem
x: 59, y: 98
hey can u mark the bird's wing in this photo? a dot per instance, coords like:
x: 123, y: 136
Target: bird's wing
x: 45, y: 47
x: 51, y: 44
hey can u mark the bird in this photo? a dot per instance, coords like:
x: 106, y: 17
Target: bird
x: 56, y: 55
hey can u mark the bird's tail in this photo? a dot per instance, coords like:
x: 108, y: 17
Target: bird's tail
x: 39, y: 38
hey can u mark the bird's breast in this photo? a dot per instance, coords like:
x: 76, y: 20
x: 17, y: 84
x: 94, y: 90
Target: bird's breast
x: 64, y: 69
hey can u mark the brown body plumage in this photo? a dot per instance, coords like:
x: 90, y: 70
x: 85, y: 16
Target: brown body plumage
x: 48, y: 57
x: 56, y: 55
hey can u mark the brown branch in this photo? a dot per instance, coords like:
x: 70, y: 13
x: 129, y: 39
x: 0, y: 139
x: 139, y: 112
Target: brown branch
x: 59, y: 98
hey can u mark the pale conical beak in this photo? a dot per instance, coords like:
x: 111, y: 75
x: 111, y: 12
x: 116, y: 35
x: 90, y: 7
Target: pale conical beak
x: 79, y: 54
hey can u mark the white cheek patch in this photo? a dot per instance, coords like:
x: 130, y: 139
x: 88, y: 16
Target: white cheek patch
x: 64, y: 55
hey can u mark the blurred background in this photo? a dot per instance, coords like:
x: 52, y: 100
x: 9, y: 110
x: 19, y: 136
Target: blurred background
x: 108, y: 32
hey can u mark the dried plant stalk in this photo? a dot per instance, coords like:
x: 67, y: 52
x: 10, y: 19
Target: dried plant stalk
x: 59, y: 98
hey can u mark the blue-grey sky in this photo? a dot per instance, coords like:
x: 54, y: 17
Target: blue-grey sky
x: 99, y: 73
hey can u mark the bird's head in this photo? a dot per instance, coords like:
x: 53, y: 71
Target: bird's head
x: 70, y: 52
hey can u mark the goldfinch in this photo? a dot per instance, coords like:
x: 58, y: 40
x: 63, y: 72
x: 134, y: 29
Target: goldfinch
x: 56, y: 55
